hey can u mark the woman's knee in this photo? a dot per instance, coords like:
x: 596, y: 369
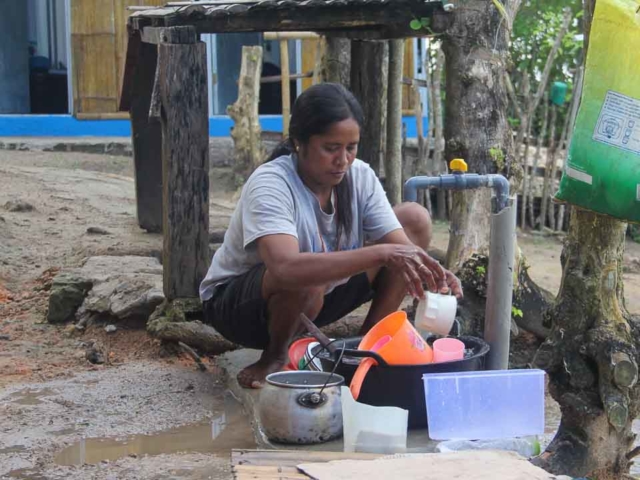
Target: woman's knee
x: 414, y: 218
x: 307, y: 300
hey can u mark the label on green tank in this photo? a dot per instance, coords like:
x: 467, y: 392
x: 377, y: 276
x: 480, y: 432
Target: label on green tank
x: 602, y: 169
x: 619, y: 122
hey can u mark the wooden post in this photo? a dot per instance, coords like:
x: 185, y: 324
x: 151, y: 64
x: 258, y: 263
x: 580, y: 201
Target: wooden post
x: 369, y: 73
x: 336, y: 60
x: 421, y: 166
x: 146, y: 137
x: 393, y: 164
x: 317, y: 64
x: 438, y: 135
x: 246, y: 132
x: 181, y: 92
x: 286, y: 93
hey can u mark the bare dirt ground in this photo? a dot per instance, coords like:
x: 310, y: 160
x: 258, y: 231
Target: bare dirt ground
x: 141, y: 401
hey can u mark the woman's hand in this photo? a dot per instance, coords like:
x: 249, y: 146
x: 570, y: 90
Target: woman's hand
x: 453, y: 285
x: 416, y: 268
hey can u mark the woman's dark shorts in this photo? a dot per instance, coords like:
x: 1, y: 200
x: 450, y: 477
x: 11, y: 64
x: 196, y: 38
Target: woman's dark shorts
x: 239, y: 313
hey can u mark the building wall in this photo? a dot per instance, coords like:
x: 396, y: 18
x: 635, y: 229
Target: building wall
x: 99, y: 45
x: 14, y: 57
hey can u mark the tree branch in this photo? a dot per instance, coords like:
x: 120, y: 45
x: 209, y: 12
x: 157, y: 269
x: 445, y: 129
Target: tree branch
x: 544, y: 79
x: 512, y: 96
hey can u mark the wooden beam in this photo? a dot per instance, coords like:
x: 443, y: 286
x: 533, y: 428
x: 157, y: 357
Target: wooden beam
x: 103, y: 116
x: 278, y: 78
x: 292, y: 458
x: 291, y: 36
x: 369, y: 71
x: 130, y: 64
x: 286, y: 92
x: 182, y: 82
x: 393, y: 156
x: 371, y: 21
x: 246, y: 131
x: 175, y: 35
x: 146, y: 138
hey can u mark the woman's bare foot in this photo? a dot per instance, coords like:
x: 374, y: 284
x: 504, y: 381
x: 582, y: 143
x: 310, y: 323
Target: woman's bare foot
x: 253, y: 376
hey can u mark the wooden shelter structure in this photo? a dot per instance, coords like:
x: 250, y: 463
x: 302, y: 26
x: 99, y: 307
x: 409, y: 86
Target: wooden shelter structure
x: 165, y: 90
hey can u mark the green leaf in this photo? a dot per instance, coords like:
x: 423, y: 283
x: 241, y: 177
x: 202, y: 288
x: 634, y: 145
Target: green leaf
x: 415, y: 24
x: 425, y: 21
x: 536, y: 448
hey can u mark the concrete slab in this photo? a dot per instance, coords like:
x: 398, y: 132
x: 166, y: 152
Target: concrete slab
x: 417, y: 441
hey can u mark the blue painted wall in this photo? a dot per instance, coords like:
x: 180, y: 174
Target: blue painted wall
x: 68, y: 126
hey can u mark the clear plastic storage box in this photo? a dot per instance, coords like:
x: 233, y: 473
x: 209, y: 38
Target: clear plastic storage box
x: 484, y: 404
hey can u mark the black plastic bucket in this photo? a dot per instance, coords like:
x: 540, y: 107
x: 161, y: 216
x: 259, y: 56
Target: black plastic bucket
x: 399, y: 385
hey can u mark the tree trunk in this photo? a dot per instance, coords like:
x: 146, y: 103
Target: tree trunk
x: 438, y: 133
x: 592, y: 354
x: 475, y: 43
x: 246, y: 131
x: 551, y: 155
x: 393, y: 164
x: 369, y: 73
x: 536, y: 160
x: 336, y: 60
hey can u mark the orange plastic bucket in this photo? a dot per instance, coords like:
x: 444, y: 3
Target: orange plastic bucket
x: 406, y: 347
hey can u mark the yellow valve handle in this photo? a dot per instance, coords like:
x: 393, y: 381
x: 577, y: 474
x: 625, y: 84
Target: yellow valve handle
x: 458, y: 165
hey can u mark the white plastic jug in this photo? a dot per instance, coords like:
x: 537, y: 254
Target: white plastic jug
x: 373, y: 429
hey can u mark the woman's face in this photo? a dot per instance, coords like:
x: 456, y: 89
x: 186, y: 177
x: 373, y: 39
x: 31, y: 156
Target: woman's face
x: 325, y: 159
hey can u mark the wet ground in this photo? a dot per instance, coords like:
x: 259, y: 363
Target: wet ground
x: 145, y: 420
x: 144, y: 416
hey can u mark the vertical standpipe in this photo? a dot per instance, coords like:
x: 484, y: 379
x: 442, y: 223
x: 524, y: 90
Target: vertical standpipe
x: 497, y: 318
x: 497, y: 322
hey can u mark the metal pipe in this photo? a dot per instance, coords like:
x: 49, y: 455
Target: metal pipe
x: 460, y: 181
x: 497, y: 318
x: 497, y: 325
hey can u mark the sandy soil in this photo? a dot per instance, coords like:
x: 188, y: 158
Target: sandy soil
x: 51, y: 396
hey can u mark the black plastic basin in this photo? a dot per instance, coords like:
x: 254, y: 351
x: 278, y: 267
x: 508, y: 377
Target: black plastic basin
x: 398, y: 385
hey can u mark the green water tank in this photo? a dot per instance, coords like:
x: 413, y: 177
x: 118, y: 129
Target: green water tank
x: 558, y: 93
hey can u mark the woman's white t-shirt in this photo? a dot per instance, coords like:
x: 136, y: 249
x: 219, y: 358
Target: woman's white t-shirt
x: 276, y: 201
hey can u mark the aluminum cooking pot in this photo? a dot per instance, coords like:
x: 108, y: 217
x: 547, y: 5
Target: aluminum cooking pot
x: 297, y: 407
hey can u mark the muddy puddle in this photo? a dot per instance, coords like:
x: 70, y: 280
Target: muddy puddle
x: 31, y: 397
x: 226, y: 430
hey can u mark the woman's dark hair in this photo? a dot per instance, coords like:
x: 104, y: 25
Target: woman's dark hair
x: 313, y: 113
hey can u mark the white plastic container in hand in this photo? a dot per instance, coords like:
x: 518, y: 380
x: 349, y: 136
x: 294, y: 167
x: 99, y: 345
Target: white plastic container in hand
x: 436, y: 313
x: 373, y: 429
x: 484, y: 405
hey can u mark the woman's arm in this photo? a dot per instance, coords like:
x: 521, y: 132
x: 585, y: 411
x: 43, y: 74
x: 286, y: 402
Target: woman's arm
x: 451, y: 282
x: 292, y: 269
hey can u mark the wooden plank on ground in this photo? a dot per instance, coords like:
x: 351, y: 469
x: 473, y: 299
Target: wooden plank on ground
x: 291, y: 458
x: 246, y: 472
